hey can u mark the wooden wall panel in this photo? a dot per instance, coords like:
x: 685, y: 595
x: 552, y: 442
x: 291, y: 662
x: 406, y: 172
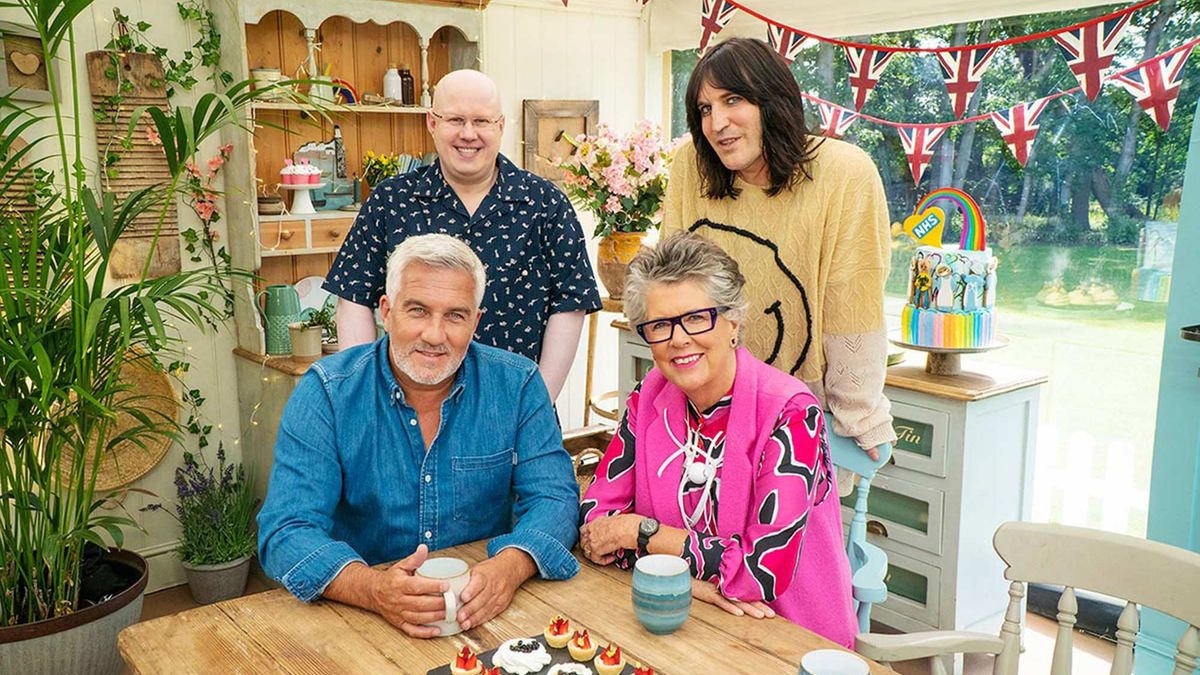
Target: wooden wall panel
x: 294, y: 48
x: 371, y: 56
x: 439, y: 55
x: 263, y: 48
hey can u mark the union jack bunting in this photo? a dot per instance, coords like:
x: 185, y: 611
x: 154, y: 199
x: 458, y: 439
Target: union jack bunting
x: 835, y: 120
x: 715, y: 16
x: 962, y: 70
x: 1155, y: 84
x: 787, y: 41
x: 1018, y: 126
x: 918, y: 142
x: 1089, y: 50
x: 866, y: 66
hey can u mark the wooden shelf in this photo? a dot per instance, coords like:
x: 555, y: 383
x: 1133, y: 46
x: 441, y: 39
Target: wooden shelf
x: 319, y: 215
x: 335, y: 109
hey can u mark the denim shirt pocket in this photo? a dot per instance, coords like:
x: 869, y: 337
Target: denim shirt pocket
x: 483, y: 492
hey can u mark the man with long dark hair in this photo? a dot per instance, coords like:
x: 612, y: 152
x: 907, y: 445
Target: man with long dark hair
x: 806, y: 219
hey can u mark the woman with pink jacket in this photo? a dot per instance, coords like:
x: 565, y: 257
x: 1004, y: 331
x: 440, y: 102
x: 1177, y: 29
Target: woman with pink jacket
x: 720, y: 458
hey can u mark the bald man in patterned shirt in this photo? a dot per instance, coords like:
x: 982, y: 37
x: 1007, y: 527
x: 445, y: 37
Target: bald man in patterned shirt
x: 520, y: 225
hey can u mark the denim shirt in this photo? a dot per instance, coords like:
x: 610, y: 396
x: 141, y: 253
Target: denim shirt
x: 352, y: 480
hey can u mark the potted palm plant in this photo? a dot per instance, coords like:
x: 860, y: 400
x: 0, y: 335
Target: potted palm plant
x: 215, y: 509
x: 622, y: 181
x: 66, y: 332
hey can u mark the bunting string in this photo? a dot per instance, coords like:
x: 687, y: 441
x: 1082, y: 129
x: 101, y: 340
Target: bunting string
x: 1155, y: 84
x: 1187, y: 46
x: 934, y: 50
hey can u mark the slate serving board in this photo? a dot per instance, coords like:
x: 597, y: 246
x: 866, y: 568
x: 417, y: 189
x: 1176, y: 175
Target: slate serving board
x: 556, y: 655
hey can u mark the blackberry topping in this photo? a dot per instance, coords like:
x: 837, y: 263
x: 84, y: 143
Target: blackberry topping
x: 526, y: 646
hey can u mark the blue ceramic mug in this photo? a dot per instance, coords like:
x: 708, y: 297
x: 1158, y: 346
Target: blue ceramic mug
x: 662, y: 592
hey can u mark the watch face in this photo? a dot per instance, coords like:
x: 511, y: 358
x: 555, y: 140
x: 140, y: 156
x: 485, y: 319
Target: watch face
x: 648, y: 526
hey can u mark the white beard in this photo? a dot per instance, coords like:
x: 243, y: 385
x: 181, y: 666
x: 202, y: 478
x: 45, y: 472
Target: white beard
x: 418, y: 375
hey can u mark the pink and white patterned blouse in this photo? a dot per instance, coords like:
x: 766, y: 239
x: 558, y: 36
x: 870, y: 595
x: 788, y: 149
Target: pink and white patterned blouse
x: 795, y: 475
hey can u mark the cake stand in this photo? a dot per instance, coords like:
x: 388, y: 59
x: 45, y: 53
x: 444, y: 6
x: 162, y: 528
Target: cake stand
x: 946, y: 360
x: 302, y: 201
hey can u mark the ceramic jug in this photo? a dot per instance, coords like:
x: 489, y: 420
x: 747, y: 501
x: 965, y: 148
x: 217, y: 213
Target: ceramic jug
x: 281, y: 307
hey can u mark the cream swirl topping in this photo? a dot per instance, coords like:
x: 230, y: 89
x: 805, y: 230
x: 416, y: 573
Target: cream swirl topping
x: 521, y: 657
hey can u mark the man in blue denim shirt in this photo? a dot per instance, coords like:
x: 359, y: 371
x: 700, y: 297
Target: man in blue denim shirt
x: 422, y: 440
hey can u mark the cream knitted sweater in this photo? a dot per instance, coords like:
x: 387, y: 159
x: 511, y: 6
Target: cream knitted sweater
x: 815, y: 260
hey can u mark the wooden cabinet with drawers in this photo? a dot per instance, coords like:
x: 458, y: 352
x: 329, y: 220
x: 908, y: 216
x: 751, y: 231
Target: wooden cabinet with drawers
x: 962, y: 465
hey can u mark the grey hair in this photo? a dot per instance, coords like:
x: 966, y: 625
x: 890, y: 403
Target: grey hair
x: 685, y: 256
x: 435, y: 250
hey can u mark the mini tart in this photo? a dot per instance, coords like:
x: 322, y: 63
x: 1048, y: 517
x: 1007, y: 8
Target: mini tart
x: 639, y: 669
x: 610, y: 661
x: 466, y: 662
x: 496, y: 671
x: 581, y: 646
x: 558, y: 633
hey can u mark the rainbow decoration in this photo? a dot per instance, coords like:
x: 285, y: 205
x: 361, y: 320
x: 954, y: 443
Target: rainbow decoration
x: 974, y: 237
x: 947, y: 329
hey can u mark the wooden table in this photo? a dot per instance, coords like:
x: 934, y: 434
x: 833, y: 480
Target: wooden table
x: 272, y: 632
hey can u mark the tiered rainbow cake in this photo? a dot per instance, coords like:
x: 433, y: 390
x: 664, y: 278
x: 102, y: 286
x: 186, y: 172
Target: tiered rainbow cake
x: 951, y: 291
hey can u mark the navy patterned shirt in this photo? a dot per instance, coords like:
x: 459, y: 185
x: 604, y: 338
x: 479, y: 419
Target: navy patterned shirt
x: 525, y: 232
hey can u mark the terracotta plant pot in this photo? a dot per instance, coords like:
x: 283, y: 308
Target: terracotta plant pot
x: 217, y: 582
x: 306, y: 342
x: 83, y: 642
x: 615, y: 252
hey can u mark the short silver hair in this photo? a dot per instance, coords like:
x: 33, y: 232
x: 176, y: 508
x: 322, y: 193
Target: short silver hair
x: 685, y: 256
x: 435, y: 250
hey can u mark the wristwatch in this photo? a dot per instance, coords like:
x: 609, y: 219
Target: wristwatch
x: 646, y: 529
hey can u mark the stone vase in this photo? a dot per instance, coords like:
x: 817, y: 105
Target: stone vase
x: 80, y: 643
x: 615, y: 252
x: 217, y: 582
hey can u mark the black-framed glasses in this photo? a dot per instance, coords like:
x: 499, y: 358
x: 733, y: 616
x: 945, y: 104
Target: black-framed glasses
x: 693, y: 323
x: 458, y: 121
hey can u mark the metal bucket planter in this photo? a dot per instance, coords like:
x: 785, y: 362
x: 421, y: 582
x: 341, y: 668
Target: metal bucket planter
x: 214, y: 583
x: 83, y: 643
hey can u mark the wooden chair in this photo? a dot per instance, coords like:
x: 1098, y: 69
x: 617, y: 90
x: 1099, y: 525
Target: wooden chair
x: 1142, y: 572
x: 868, y: 562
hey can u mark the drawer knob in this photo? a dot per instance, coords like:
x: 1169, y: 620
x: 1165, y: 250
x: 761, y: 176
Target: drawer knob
x: 285, y: 234
x: 334, y: 234
x: 876, y: 527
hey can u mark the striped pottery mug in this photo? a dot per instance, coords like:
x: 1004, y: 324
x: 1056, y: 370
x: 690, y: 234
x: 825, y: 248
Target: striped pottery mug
x: 662, y: 592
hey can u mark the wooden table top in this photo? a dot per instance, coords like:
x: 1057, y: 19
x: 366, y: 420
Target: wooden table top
x: 977, y: 381
x: 272, y: 632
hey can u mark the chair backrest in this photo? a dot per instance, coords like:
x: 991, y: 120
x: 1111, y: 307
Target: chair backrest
x: 846, y: 454
x: 1139, y: 571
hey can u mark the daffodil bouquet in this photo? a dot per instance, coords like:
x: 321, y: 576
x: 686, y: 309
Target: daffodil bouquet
x: 377, y: 167
x: 622, y: 180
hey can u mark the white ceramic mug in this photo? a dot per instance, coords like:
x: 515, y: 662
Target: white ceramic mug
x: 832, y: 662
x: 456, y: 573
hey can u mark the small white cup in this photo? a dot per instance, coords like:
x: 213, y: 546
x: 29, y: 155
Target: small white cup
x: 457, y: 573
x: 832, y: 662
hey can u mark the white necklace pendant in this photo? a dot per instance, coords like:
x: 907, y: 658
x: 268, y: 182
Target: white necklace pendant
x: 699, y: 472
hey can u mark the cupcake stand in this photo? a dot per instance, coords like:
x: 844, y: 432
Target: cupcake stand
x: 302, y: 199
x: 946, y: 360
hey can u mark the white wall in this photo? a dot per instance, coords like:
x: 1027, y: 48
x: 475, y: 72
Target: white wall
x: 594, y: 49
x: 211, y: 354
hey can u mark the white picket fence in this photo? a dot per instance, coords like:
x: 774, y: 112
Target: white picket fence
x: 1083, y: 480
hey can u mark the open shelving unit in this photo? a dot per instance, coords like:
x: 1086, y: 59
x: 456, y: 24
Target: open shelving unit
x: 356, y: 39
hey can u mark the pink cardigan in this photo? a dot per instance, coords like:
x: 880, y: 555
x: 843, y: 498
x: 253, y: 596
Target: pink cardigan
x: 818, y: 596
